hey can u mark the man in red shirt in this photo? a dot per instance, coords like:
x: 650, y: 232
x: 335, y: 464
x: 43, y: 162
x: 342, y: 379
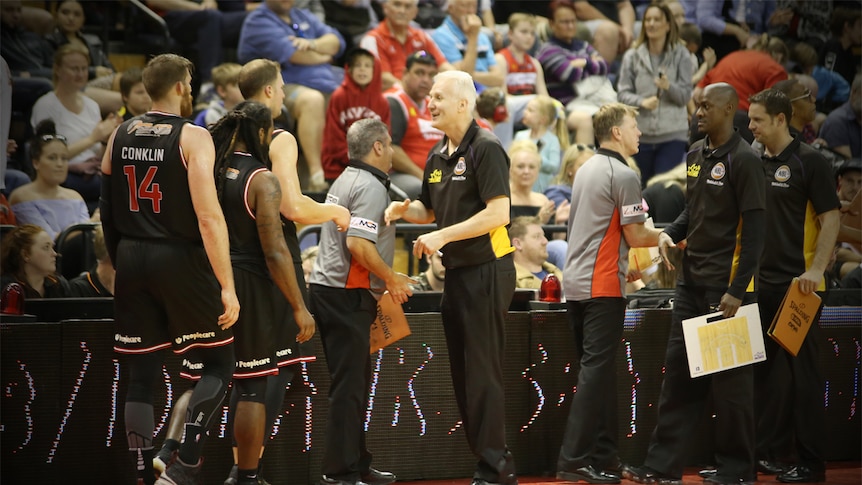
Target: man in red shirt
x: 412, y: 133
x: 749, y: 71
x: 394, y: 39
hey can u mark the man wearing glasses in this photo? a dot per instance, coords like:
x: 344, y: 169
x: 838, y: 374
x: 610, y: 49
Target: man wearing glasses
x: 352, y: 270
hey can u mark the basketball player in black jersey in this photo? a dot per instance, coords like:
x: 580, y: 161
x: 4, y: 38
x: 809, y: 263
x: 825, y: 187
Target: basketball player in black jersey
x: 250, y: 196
x: 167, y: 237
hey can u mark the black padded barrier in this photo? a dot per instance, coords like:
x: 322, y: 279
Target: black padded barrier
x: 62, y: 385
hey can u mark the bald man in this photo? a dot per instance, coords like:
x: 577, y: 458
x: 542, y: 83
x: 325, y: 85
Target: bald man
x: 725, y: 185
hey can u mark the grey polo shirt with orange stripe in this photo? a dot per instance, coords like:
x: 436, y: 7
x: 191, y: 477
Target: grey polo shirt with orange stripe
x: 364, y: 191
x: 606, y: 196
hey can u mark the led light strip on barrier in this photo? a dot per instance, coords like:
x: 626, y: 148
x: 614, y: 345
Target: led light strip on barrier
x: 62, y: 421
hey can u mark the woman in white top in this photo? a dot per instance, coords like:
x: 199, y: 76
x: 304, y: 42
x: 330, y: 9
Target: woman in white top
x: 78, y: 119
x: 44, y: 202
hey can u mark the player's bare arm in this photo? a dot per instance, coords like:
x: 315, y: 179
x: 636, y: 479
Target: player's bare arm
x: 199, y: 153
x: 265, y: 197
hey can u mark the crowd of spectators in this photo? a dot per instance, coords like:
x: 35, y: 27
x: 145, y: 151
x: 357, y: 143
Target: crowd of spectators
x: 542, y: 69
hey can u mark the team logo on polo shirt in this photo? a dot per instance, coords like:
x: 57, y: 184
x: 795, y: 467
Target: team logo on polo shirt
x: 693, y: 170
x: 782, y: 174
x: 718, y: 171
x: 460, y: 167
x: 435, y: 177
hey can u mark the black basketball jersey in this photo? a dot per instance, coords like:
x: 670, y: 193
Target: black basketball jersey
x: 150, y: 183
x: 245, y: 249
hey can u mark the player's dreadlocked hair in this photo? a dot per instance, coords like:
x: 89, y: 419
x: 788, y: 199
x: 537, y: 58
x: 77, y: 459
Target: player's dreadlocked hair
x: 244, y: 123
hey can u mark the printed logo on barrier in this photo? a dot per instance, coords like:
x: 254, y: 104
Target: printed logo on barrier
x: 718, y: 171
x: 366, y: 225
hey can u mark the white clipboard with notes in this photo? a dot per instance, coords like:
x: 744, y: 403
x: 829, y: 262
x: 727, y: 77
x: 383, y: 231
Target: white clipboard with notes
x: 714, y: 343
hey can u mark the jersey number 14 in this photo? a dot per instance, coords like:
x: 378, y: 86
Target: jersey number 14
x: 147, y: 189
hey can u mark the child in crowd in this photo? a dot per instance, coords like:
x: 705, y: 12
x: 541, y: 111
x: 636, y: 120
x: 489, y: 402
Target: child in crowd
x: 360, y: 96
x: 136, y: 100
x: 690, y: 35
x: 491, y: 109
x: 225, y: 79
x: 546, y: 120
x: 832, y: 89
x: 560, y: 189
x: 524, y: 75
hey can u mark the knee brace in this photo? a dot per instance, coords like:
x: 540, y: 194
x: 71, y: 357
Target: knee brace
x: 251, y: 390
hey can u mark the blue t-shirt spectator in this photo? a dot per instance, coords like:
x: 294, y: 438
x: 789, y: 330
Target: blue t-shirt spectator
x: 266, y: 35
x: 453, y: 42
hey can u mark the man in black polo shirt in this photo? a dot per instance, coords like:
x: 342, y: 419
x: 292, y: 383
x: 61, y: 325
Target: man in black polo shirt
x: 725, y: 187
x: 465, y: 188
x: 800, y: 243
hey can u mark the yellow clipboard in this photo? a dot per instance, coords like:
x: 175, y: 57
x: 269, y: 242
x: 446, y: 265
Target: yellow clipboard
x: 714, y: 343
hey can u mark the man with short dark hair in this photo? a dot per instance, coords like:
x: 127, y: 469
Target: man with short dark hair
x: 531, y: 253
x: 800, y: 235
x: 412, y: 133
x: 723, y: 223
x: 433, y: 278
x: 352, y: 270
x: 395, y: 39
